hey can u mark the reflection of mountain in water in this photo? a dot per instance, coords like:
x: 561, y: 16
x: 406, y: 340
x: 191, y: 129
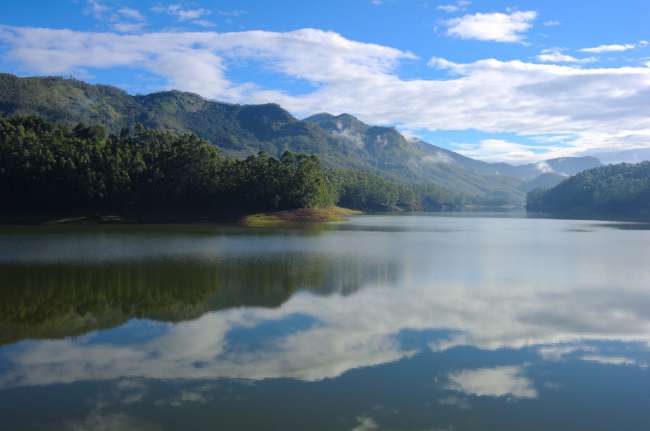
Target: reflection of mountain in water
x: 464, y: 320
x: 56, y: 300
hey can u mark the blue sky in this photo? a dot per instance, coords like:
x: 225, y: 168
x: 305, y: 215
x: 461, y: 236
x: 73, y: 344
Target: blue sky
x: 497, y: 80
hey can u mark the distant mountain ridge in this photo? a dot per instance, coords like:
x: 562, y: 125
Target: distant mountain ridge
x: 341, y: 141
x: 563, y: 166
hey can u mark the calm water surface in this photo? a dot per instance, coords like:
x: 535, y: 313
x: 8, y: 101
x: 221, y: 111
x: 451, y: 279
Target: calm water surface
x: 380, y: 323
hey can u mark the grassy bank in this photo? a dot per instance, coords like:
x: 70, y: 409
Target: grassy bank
x: 302, y: 215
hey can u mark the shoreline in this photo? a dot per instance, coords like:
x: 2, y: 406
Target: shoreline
x: 271, y: 218
x: 299, y: 216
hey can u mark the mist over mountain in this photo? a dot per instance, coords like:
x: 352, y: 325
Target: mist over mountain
x: 341, y: 141
x: 544, y: 182
x: 563, y: 166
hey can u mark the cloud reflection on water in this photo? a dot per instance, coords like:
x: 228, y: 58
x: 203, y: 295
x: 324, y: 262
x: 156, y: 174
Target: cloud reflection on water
x: 486, y: 283
x: 357, y: 330
x: 496, y: 382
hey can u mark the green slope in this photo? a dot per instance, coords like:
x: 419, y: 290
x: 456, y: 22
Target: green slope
x: 615, y: 189
x: 543, y: 182
x: 241, y: 130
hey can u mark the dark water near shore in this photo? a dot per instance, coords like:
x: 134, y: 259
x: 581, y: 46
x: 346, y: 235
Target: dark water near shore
x: 381, y: 323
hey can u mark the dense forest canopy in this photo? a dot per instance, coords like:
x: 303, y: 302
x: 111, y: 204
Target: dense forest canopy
x: 53, y: 167
x: 613, y: 189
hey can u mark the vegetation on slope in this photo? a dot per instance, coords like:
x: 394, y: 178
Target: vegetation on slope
x: 340, y: 142
x: 53, y: 168
x: 47, y: 167
x: 544, y: 181
x: 302, y: 215
x: 615, y: 189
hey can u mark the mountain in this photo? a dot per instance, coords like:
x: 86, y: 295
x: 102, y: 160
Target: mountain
x: 548, y: 174
x: 340, y: 141
x: 613, y: 189
x: 385, y: 149
x: 544, y: 182
x: 239, y: 130
x: 563, y: 166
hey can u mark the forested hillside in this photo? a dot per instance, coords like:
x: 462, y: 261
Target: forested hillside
x: 340, y: 142
x: 615, y: 189
x: 244, y: 130
x: 49, y: 167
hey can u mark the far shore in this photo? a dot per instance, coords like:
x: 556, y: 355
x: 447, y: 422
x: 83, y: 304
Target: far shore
x: 273, y: 218
x: 303, y: 215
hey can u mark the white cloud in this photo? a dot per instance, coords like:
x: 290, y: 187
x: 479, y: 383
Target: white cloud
x: 183, y: 14
x: 598, y: 109
x: 361, y: 328
x: 493, y: 382
x: 544, y: 168
x: 610, y: 48
x: 366, y: 424
x: 187, y: 14
x: 128, y: 12
x: 556, y: 352
x: 123, y: 20
x: 551, y: 23
x: 232, y: 13
x: 95, y: 8
x: 614, y: 360
x: 204, y: 23
x: 499, y: 27
x: 348, y: 135
x: 457, y: 6
x: 449, y: 8
x: 556, y: 55
x: 305, y: 54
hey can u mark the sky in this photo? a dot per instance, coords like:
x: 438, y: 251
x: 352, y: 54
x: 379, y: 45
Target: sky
x: 517, y: 81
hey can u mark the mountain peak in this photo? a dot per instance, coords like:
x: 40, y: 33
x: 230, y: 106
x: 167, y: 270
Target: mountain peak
x: 269, y: 112
x: 337, y: 122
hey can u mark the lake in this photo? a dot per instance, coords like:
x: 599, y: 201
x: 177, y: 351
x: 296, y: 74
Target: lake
x: 427, y: 322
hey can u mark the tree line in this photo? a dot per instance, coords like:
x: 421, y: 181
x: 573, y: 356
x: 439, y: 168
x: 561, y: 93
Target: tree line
x: 52, y: 167
x: 613, y: 189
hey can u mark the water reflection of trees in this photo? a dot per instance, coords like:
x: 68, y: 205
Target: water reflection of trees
x: 56, y: 300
